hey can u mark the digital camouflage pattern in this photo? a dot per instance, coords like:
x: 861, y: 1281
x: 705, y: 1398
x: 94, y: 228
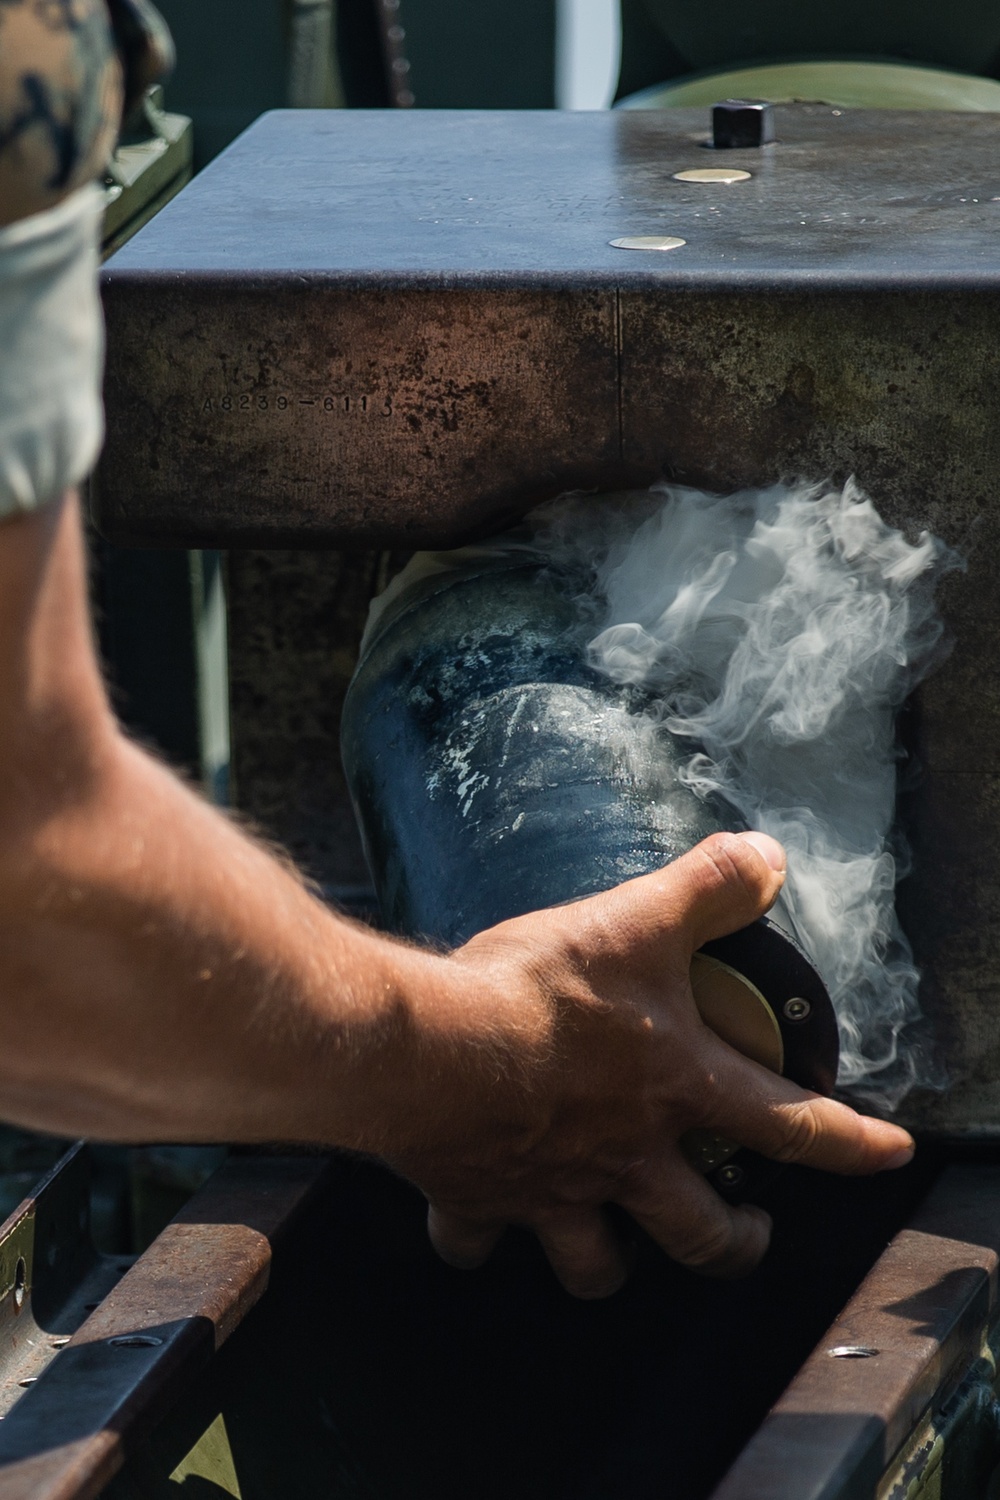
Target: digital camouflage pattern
x: 60, y: 100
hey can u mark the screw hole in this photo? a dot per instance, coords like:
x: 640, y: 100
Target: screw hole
x: 135, y: 1341
x: 852, y: 1351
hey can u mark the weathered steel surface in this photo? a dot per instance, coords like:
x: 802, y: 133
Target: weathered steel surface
x: 924, y: 1310
x: 124, y: 1367
x: 533, y: 197
x: 898, y: 388
x: 376, y: 418
x: 374, y: 328
x: 295, y: 621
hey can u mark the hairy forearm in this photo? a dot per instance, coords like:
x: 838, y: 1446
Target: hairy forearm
x: 162, y: 974
x: 166, y: 978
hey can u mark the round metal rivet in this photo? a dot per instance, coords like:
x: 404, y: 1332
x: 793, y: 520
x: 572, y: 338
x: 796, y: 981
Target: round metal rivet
x: 730, y: 1176
x: 852, y: 1351
x: 713, y: 174
x: 135, y: 1341
x: 30, y: 1380
x: 796, y: 1009
x: 60, y: 1342
x: 648, y: 242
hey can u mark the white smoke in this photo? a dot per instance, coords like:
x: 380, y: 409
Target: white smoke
x: 781, y: 630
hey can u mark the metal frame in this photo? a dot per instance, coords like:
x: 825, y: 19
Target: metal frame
x: 898, y: 1399
x: 94, y: 1351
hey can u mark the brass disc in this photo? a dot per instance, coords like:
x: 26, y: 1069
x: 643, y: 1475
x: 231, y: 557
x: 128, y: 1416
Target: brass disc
x: 713, y: 174
x: 647, y: 242
x: 737, y: 1011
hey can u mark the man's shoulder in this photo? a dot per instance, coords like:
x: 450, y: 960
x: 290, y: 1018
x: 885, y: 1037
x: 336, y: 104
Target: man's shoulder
x: 60, y: 99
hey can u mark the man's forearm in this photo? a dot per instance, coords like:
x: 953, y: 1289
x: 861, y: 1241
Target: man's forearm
x: 164, y: 975
x: 167, y: 978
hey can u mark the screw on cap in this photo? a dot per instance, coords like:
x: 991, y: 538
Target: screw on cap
x: 796, y: 1009
x: 742, y: 123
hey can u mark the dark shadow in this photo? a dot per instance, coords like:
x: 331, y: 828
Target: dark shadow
x: 934, y: 1310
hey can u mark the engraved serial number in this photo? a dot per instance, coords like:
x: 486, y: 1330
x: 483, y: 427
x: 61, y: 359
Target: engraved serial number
x: 377, y: 406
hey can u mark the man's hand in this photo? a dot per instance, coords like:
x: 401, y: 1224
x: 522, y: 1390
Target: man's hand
x: 172, y: 981
x: 602, y: 1064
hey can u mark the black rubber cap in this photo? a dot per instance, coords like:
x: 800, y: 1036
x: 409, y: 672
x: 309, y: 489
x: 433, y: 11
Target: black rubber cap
x: 738, y: 124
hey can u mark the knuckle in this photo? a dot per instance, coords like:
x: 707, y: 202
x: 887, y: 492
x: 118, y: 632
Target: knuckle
x: 696, y: 1094
x: 801, y: 1133
x: 730, y: 868
x: 705, y: 1245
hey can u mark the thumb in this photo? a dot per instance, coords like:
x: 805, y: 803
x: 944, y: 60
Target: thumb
x: 724, y: 883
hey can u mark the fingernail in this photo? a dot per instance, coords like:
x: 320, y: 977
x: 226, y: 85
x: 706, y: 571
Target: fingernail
x: 901, y: 1159
x: 768, y: 847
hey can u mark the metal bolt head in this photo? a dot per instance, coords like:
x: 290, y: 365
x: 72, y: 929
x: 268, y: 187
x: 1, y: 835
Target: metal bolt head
x: 730, y: 1176
x: 796, y: 1009
x: 739, y: 124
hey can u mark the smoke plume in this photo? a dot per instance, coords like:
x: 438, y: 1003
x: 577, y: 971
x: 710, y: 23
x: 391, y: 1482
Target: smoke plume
x: 780, y: 630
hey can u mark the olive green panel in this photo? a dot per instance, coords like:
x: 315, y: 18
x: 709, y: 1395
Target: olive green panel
x: 848, y: 85
x: 665, y: 39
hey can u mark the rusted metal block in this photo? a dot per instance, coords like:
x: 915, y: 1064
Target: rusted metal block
x: 310, y: 432
x: 369, y: 328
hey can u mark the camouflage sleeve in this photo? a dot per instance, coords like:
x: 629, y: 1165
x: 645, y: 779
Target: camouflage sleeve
x: 60, y: 86
x: 60, y: 100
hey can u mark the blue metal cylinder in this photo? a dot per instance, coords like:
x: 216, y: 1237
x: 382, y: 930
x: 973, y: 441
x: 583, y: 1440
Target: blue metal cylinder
x: 494, y: 772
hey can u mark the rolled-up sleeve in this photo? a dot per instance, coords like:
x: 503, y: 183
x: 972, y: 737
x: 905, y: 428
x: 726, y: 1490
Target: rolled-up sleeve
x: 51, y: 351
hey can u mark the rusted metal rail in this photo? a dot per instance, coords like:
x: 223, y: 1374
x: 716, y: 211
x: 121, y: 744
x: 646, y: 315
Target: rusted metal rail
x: 97, y: 1351
x: 899, y: 1394
x: 114, y: 1378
